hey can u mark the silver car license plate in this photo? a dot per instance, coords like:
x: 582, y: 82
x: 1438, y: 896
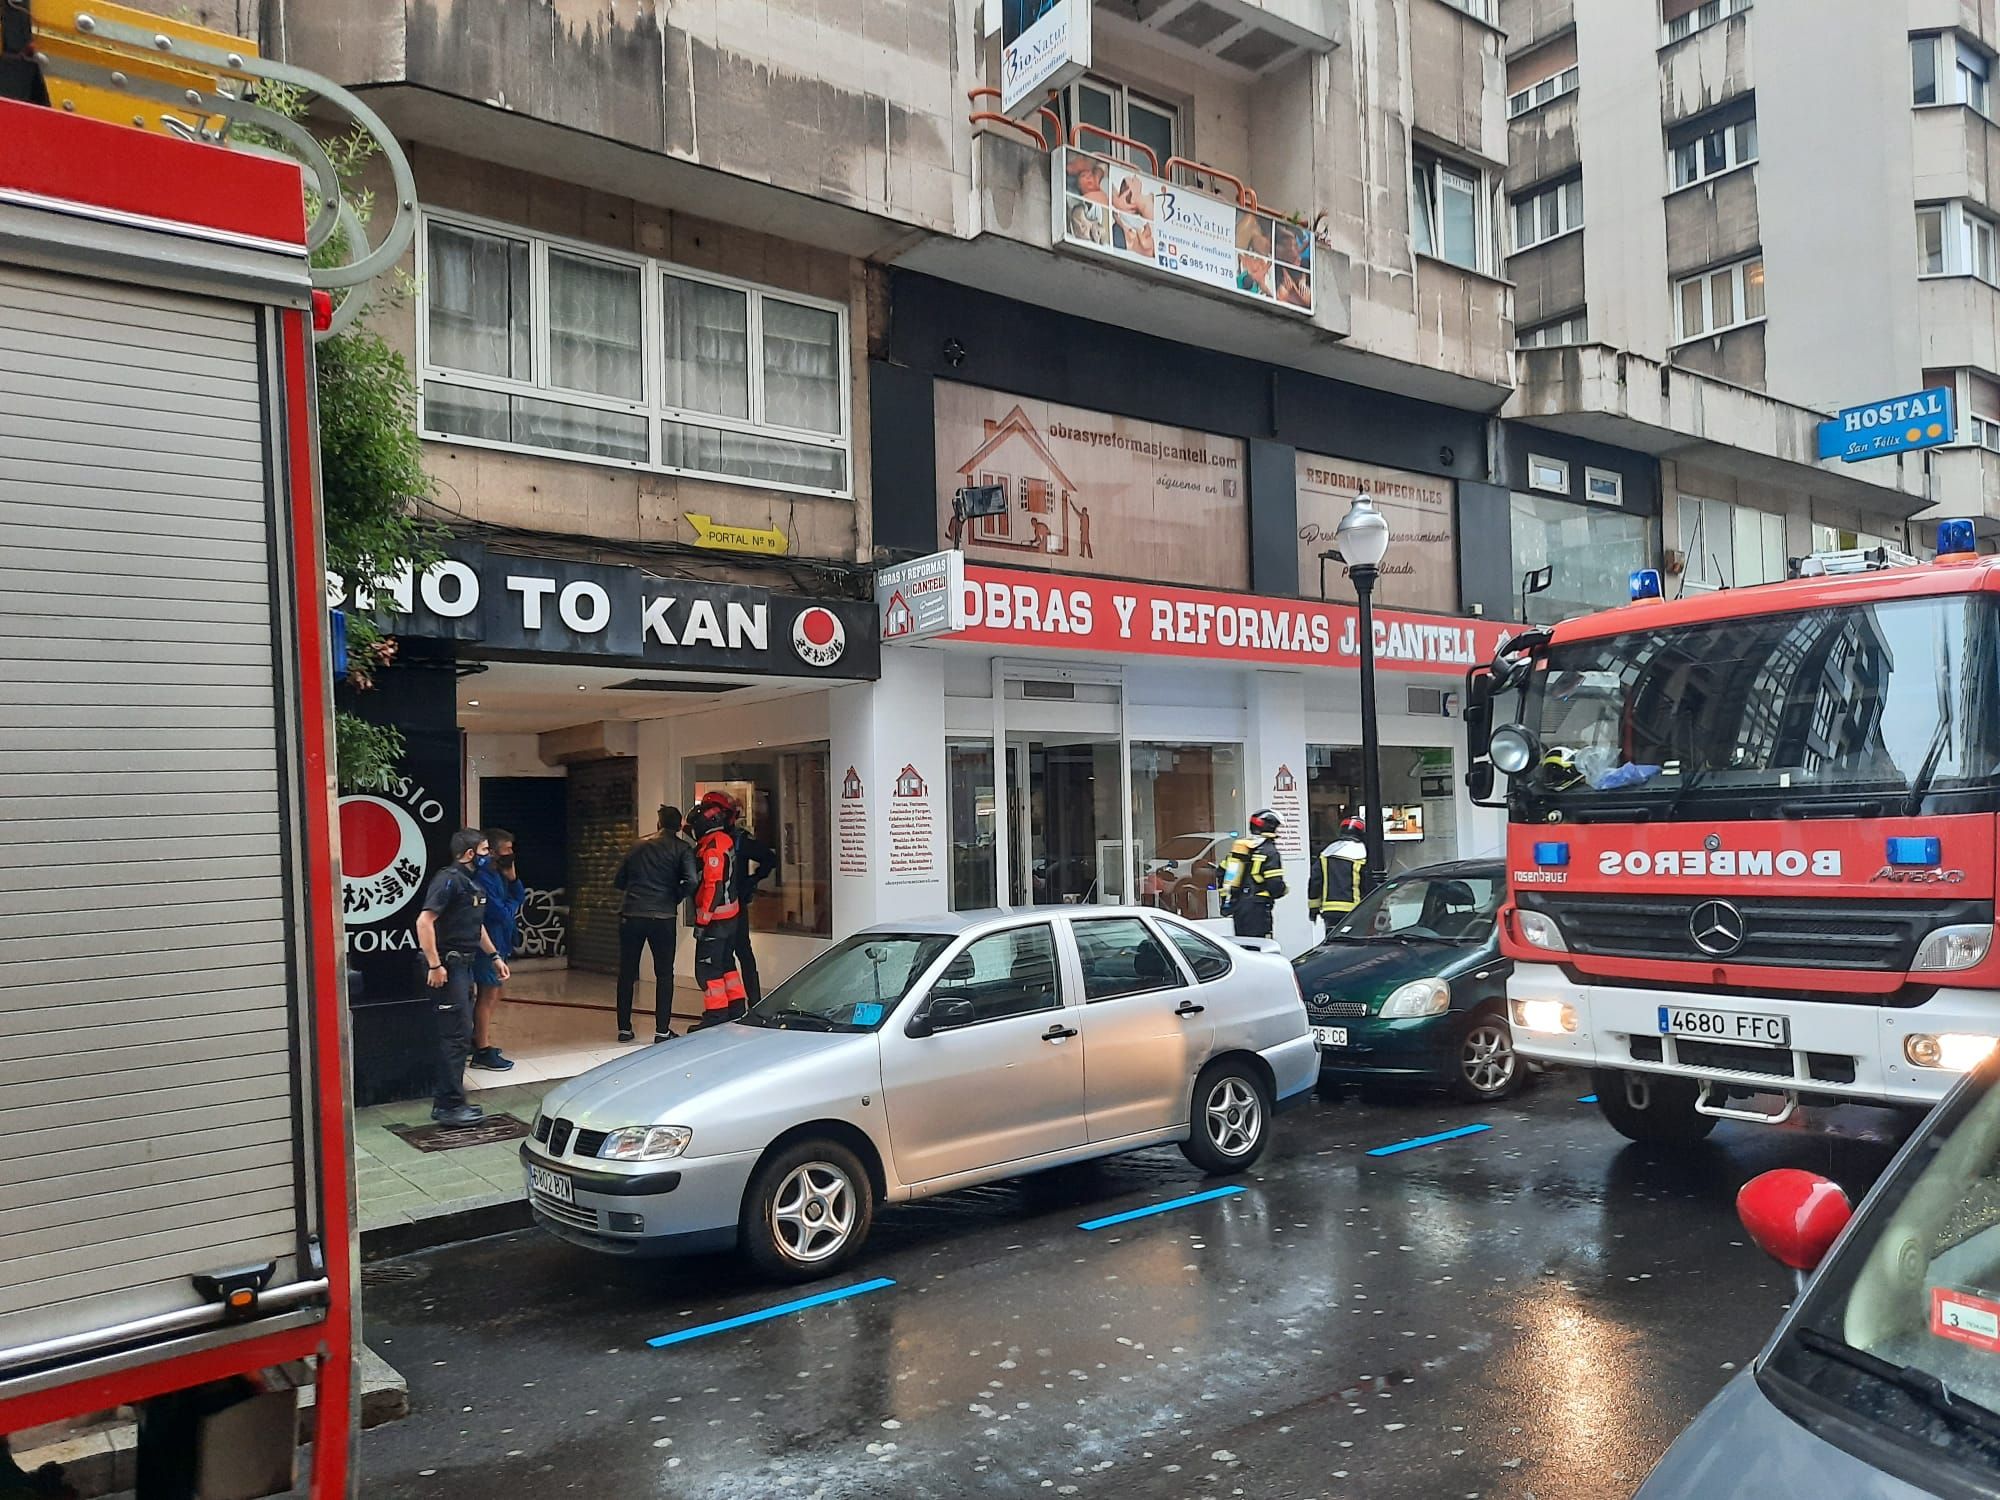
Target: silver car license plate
x: 1726, y: 1026
x: 552, y: 1184
x: 1330, y: 1036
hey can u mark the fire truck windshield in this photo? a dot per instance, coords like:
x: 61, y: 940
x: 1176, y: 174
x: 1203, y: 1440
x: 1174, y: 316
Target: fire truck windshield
x: 1888, y: 698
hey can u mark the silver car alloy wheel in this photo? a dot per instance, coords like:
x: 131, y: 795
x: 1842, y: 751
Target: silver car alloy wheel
x: 1487, y: 1057
x: 1235, y: 1117
x: 812, y: 1213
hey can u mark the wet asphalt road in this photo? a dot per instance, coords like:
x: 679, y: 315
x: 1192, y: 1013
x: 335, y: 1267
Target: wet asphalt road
x: 1534, y: 1311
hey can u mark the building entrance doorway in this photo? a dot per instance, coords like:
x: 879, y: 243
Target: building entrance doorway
x: 1063, y: 794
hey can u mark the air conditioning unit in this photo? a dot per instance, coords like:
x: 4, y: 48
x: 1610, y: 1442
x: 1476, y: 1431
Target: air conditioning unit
x: 1429, y: 702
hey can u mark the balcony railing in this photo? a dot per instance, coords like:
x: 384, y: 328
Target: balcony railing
x: 1193, y: 222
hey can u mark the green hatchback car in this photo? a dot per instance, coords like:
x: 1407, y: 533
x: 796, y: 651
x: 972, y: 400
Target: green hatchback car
x: 1411, y: 985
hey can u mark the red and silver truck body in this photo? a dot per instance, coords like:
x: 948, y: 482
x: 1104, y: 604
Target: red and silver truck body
x: 176, y: 1203
x: 1752, y: 841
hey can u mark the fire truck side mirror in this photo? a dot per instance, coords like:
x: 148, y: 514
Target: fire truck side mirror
x: 1478, y: 730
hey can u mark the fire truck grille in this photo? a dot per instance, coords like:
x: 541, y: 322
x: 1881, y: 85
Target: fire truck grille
x: 1827, y: 934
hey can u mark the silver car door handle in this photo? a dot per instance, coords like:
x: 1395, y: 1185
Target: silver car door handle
x: 1058, y: 1033
x: 1189, y: 1008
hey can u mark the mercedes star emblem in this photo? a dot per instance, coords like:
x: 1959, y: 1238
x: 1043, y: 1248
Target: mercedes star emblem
x: 1716, y: 927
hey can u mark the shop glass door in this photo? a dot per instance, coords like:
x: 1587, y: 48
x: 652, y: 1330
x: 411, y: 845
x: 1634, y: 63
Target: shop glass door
x: 1066, y: 843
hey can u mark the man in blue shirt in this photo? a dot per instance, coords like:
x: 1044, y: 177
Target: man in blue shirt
x: 504, y: 897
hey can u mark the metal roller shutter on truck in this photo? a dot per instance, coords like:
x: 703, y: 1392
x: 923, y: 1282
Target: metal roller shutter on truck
x: 150, y: 1096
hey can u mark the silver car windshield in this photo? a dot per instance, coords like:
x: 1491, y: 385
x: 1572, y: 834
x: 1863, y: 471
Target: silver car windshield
x: 853, y: 986
x: 1903, y: 1330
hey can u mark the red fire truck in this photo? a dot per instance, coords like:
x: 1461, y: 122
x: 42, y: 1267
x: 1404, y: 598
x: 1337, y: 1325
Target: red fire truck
x: 176, y: 1203
x: 1751, y: 844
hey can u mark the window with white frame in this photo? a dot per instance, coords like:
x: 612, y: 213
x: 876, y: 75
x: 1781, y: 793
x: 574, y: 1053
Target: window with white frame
x: 1535, y: 95
x: 1700, y: 152
x: 1446, y: 218
x: 567, y: 349
x: 1946, y: 68
x: 1551, y: 474
x: 1955, y: 240
x: 1686, y: 17
x: 1724, y: 298
x: 1110, y: 105
x: 1606, y: 486
x: 1547, y: 212
x: 1574, y: 329
x: 1484, y: 9
x: 1729, y: 546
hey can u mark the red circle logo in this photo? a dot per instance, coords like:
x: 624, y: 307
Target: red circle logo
x: 818, y: 637
x: 382, y: 858
x: 369, y: 837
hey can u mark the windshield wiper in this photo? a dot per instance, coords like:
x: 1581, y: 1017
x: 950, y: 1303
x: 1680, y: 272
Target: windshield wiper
x: 793, y: 1013
x: 1926, y: 1387
x: 1921, y: 782
x: 1689, y: 782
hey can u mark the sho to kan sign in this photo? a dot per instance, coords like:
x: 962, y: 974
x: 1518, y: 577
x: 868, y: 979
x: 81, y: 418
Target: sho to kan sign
x: 1922, y: 419
x: 1103, y: 205
x: 1004, y: 607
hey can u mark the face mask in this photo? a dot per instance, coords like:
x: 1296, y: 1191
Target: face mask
x: 481, y: 861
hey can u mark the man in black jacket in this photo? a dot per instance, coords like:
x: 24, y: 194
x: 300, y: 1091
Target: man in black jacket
x: 656, y: 877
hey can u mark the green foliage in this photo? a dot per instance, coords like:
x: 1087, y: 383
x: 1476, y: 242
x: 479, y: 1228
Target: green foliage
x: 372, y: 476
x: 365, y: 753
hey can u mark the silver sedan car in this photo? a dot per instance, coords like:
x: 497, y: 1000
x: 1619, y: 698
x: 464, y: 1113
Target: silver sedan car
x: 919, y: 1057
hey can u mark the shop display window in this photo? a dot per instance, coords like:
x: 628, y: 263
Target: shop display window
x: 1419, y: 794
x: 783, y: 793
x: 1187, y: 808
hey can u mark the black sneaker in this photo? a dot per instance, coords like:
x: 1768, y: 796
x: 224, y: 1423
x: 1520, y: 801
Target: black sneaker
x: 464, y: 1114
x: 662, y: 1036
x: 625, y: 1034
x: 492, y: 1060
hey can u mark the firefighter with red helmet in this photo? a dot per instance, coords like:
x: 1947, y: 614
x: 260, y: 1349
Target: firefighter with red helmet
x: 718, y: 909
x: 1253, y: 877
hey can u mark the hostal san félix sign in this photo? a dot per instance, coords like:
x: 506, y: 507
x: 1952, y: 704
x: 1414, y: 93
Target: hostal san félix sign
x: 1923, y: 419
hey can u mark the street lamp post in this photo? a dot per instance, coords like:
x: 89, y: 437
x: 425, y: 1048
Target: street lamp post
x: 1363, y: 538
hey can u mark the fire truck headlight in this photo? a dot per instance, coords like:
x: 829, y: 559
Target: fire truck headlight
x: 1552, y: 1017
x: 1953, y: 1052
x: 1954, y: 947
x: 1512, y: 749
x: 1539, y: 930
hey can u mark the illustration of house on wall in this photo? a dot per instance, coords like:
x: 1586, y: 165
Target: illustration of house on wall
x: 897, y: 618
x: 1284, y: 781
x: 850, y: 785
x: 1042, y: 513
x: 910, y: 784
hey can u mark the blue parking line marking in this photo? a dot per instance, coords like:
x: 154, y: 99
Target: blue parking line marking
x: 1159, y: 1208
x: 1588, y: 1099
x: 1429, y: 1140
x: 764, y: 1315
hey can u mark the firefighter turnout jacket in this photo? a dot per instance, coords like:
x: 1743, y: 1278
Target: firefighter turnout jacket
x: 1335, y: 887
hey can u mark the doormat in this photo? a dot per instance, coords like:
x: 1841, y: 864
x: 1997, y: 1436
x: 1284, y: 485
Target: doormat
x: 492, y: 1129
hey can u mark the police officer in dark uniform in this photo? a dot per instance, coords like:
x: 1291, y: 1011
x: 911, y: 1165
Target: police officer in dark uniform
x: 1253, y: 879
x: 755, y: 862
x: 451, y: 930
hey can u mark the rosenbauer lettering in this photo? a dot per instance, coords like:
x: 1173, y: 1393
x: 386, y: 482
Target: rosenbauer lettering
x: 1690, y: 863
